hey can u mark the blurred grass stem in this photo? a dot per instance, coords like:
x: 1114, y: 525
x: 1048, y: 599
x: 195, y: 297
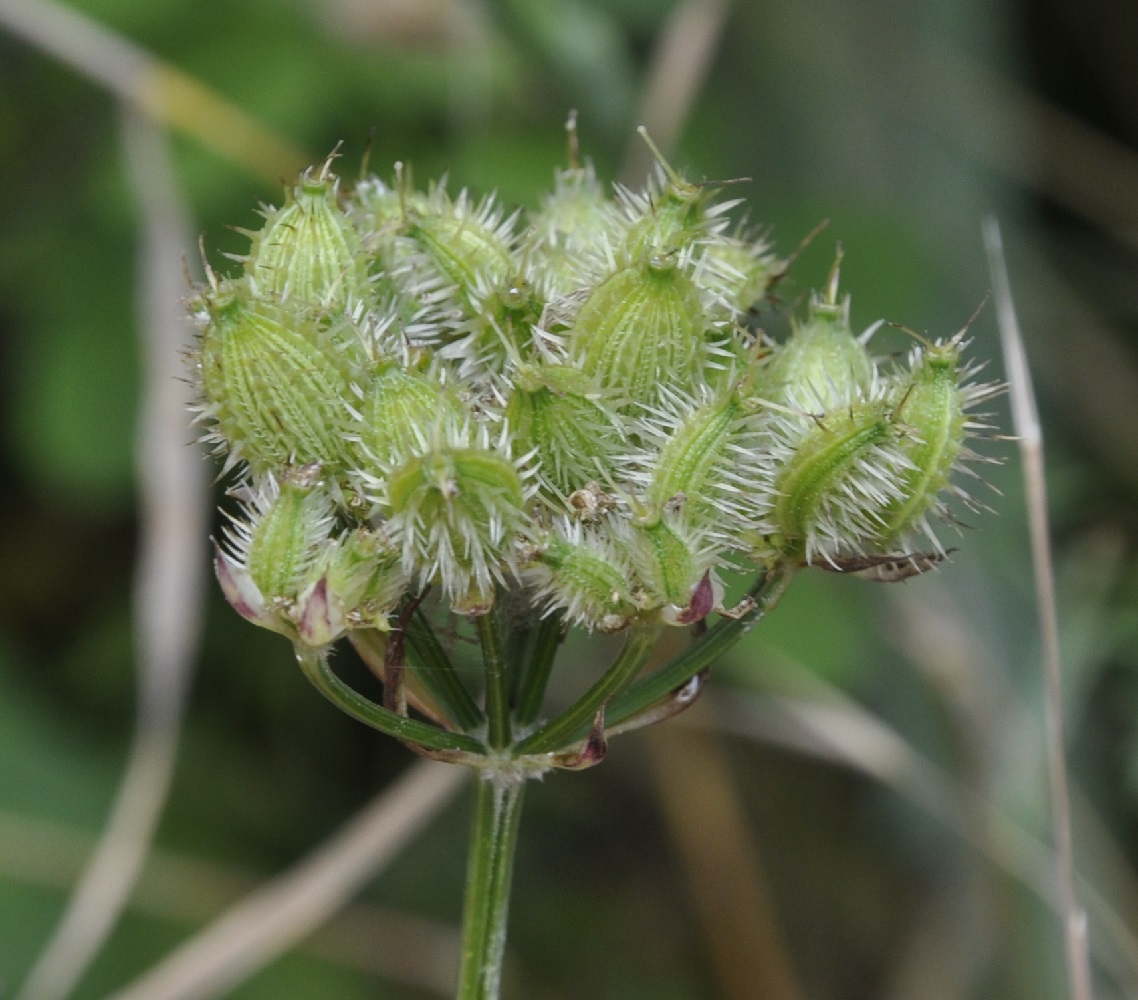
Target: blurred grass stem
x: 1025, y: 417
x: 162, y: 92
x: 270, y: 921
x: 169, y: 576
x: 723, y: 866
x: 684, y: 52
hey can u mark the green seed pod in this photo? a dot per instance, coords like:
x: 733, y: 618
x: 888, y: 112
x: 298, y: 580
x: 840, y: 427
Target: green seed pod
x: 568, y: 236
x: 735, y: 274
x: 675, y: 568
x: 822, y: 366
x: 932, y: 405
x: 356, y: 584
x: 456, y: 508
x: 377, y: 210
x: 276, y: 386
x: 399, y: 407
x: 501, y: 330
x: 379, y: 214
x: 668, y: 225
x: 268, y: 556
x: 284, y: 543
x: 836, y: 479
x: 308, y: 252
x: 707, y: 455
x: 365, y: 569
x: 460, y: 249
x: 671, y: 214
x: 579, y: 571
x: 556, y: 415
x: 642, y: 329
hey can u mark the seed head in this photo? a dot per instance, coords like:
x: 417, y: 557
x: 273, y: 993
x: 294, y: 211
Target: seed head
x: 566, y: 408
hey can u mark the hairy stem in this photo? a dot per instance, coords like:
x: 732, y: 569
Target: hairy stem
x: 493, y: 840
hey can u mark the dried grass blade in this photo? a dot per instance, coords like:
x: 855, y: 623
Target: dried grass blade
x: 1025, y: 417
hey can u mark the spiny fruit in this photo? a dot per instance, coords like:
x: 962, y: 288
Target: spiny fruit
x: 308, y: 251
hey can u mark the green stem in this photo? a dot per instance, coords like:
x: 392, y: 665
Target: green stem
x: 434, y: 670
x: 765, y: 592
x: 557, y: 732
x: 535, y: 676
x: 519, y: 645
x: 317, y: 669
x: 493, y: 841
x: 497, y: 682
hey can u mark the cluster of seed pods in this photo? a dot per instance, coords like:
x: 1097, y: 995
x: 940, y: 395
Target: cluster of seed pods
x: 573, y: 404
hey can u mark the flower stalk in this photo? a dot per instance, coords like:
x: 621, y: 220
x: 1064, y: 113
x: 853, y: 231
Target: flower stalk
x: 317, y: 669
x: 497, y: 683
x: 537, y: 668
x: 561, y: 730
